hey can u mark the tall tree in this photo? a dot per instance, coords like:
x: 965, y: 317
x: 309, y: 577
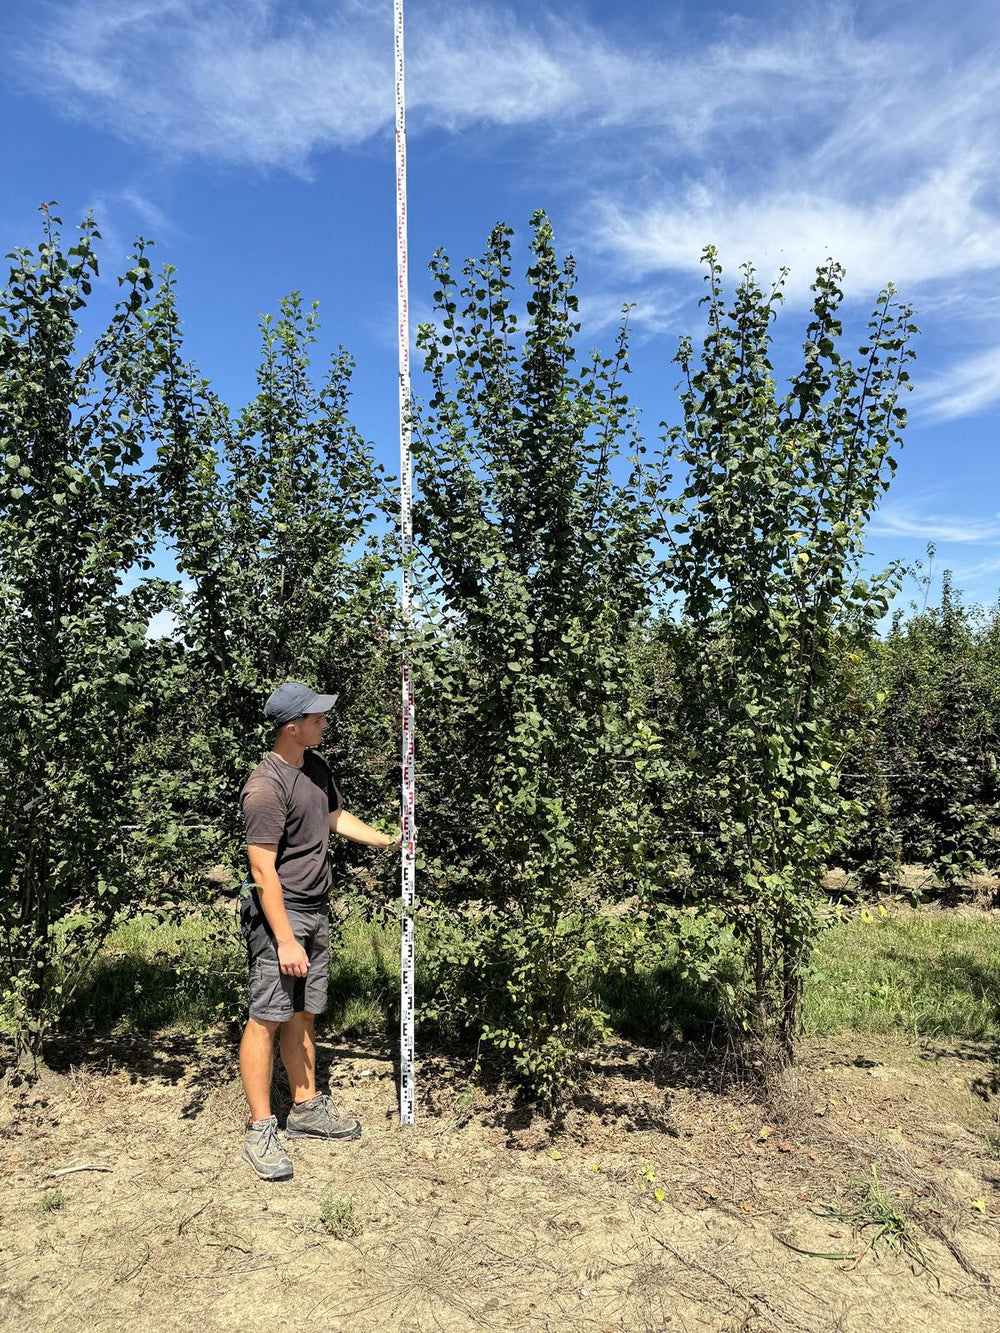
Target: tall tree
x: 76, y: 529
x: 765, y: 557
x: 538, y: 553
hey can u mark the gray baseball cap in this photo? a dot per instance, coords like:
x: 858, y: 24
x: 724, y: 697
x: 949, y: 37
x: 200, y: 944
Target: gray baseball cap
x: 292, y: 700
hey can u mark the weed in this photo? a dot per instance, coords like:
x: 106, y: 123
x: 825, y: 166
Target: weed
x: 52, y: 1201
x: 463, y: 1103
x: 339, y: 1216
x: 878, y: 1220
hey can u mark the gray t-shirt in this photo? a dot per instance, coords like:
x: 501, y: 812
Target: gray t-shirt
x: 291, y: 807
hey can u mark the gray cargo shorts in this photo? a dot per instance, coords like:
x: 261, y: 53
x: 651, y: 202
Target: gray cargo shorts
x: 275, y: 997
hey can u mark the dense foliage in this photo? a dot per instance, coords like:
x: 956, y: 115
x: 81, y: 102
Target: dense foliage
x: 925, y: 764
x: 537, y: 557
x: 765, y: 558
x: 77, y: 515
x: 653, y: 706
x: 269, y: 517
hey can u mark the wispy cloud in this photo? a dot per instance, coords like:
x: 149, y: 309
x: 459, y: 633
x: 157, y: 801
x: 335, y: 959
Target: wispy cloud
x: 893, y: 170
x: 652, y: 309
x: 148, y: 212
x: 244, y: 84
x: 935, y: 230
x: 965, y: 388
x: 869, y: 135
x: 900, y: 521
x: 268, y: 84
x: 965, y: 574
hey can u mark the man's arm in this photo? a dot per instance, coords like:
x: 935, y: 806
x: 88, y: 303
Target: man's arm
x: 349, y: 826
x: 292, y: 958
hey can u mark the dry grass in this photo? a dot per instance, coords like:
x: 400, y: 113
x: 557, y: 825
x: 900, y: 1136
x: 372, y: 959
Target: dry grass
x: 655, y: 1204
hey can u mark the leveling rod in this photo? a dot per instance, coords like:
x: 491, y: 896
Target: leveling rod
x: 407, y: 1081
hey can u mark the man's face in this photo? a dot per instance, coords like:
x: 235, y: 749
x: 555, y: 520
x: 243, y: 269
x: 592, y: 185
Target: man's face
x: 309, y: 728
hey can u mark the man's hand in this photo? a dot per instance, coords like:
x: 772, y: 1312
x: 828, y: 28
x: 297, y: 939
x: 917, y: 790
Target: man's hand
x: 397, y: 846
x: 348, y: 826
x: 292, y: 958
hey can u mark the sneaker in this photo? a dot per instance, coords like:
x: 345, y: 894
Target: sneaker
x: 262, y: 1149
x: 318, y: 1119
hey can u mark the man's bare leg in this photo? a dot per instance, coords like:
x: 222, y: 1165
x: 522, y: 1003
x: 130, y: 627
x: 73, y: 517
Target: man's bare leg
x: 298, y: 1054
x: 257, y: 1065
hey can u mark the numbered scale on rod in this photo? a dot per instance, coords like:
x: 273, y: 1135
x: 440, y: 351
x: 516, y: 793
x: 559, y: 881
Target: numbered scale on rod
x: 407, y: 1085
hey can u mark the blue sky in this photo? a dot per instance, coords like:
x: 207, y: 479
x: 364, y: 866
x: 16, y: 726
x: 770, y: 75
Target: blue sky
x: 253, y: 140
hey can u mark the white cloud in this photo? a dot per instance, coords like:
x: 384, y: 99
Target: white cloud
x: 964, y: 389
x: 148, y: 212
x: 932, y: 232
x: 891, y: 169
x: 965, y: 574
x: 268, y: 83
x: 867, y: 134
x: 900, y: 521
x: 229, y: 82
x: 654, y: 310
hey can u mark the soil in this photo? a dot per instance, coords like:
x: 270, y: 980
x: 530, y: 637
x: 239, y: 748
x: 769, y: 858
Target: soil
x: 665, y: 1199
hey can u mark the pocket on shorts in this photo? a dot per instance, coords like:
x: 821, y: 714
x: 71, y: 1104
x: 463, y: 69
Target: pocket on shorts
x: 270, y: 990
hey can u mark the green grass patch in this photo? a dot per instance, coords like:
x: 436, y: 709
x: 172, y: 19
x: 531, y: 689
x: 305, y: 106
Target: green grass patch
x: 152, y: 975
x: 192, y: 974
x: 659, y: 1003
x: 338, y: 1215
x: 930, y: 976
x: 364, y: 978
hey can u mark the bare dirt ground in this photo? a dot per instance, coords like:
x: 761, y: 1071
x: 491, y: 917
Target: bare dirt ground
x: 661, y: 1202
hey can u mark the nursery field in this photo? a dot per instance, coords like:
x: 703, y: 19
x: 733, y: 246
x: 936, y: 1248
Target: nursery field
x: 670, y: 1074
x: 859, y: 1191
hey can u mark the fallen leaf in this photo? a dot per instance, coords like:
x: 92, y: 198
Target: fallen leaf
x: 784, y: 1146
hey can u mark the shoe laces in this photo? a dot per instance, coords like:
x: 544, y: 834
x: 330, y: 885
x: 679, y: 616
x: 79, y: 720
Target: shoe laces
x: 321, y: 1102
x: 268, y: 1138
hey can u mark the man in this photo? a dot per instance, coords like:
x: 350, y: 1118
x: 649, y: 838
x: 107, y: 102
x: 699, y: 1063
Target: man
x: 290, y: 803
